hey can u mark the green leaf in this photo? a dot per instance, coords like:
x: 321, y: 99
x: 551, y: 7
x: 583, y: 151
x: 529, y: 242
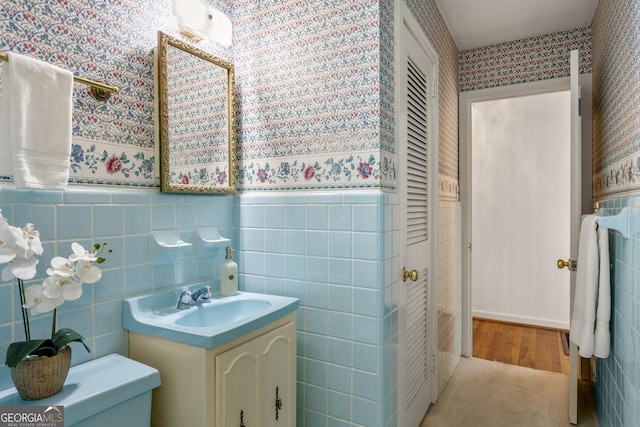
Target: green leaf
x: 21, y: 349
x: 65, y: 336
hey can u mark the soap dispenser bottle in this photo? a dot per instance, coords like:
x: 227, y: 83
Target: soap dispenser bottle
x: 229, y: 275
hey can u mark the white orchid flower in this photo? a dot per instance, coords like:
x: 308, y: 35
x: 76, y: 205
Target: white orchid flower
x: 7, y: 253
x: 25, y: 241
x: 56, y: 287
x: 13, y: 237
x: 17, y: 247
x: 62, y: 267
x: 22, y: 268
x: 32, y: 237
x: 88, y: 273
x: 38, y: 302
x: 80, y: 253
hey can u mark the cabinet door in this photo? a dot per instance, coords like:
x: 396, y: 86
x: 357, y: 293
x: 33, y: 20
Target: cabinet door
x: 279, y: 377
x: 237, y: 386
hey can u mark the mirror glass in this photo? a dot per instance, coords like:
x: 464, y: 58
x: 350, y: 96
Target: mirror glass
x: 196, y: 119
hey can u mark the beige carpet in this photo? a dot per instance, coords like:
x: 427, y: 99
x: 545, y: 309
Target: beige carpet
x: 492, y: 394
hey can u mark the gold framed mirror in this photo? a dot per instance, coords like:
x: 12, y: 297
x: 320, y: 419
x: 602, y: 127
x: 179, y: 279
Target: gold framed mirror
x: 197, y: 141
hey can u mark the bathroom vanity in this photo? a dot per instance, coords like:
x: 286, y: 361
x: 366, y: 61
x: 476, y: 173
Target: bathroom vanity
x: 248, y: 380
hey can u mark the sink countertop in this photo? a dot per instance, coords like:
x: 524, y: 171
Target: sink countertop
x: 156, y: 314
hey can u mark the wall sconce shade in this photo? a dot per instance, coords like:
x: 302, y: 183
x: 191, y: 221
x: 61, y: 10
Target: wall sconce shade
x: 199, y: 21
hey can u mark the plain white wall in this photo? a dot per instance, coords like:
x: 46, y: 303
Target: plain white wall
x: 520, y: 216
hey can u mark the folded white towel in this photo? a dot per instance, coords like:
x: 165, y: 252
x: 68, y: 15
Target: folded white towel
x: 592, y: 302
x: 35, y: 115
x: 602, y: 341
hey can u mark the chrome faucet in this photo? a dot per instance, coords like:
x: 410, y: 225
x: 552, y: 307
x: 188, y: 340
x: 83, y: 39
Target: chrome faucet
x: 187, y: 298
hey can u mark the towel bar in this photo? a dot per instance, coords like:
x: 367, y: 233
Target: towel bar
x: 99, y: 91
x: 625, y: 222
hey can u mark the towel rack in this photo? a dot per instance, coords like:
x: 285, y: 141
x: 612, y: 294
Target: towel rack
x: 99, y: 91
x: 625, y: 222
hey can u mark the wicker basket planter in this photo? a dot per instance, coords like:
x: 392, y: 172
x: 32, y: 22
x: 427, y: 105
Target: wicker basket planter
x: 42, y: 377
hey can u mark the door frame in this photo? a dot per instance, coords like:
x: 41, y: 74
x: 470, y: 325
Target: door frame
x: 404, y: 18
x: 466, y: 99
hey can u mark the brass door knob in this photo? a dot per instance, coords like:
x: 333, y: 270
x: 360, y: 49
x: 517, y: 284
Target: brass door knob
x: 406, y: 274
x: 562, y: 264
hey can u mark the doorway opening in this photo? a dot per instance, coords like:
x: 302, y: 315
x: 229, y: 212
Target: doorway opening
x: 467, y: 99
x: 519, y: 228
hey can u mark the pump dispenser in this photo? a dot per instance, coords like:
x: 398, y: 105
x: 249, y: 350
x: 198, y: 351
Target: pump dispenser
x: 229, y: 275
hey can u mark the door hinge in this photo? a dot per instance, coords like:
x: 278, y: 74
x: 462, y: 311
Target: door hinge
x: 434, y: 88
x: 433, y: 363
x: 579, y: 107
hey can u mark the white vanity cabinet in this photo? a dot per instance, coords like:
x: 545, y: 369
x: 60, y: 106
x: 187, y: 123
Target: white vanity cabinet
x: 249, y: 381
x: 254, y: 385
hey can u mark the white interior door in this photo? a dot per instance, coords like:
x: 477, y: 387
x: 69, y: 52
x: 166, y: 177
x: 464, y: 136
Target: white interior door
x: 417, y: 165
x: 576, y: 216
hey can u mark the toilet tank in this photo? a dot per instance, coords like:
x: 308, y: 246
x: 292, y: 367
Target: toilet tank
x: 105, y: 392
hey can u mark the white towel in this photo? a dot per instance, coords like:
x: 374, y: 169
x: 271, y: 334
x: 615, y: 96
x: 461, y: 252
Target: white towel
x: 35, y: 115
x: 592, y: 302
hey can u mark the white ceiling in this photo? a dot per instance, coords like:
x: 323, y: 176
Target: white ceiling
x: 477, y: 23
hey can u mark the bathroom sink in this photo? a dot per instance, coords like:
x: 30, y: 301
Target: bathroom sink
x: 207, y: 323
x: 207, y: 315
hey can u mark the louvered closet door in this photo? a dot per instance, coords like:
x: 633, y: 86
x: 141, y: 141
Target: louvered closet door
x: 417, y: 235
x: 416, y: 184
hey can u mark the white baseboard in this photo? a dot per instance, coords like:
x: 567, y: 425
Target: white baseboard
x: 534, y: 321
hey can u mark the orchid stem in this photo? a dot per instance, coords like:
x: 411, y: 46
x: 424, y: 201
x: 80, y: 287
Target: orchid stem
x: 53, y: 323
x: 25, y: 314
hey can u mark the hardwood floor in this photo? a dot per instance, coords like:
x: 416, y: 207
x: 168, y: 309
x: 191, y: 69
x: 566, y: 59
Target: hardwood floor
x: 519, y: 345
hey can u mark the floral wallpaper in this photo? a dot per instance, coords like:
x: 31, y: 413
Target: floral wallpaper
x: 110, y: 41
x: 308, y: 84
x: 314, y: 99
x: 616, y: 98
x: 520, y: 61
x: 428, y: 15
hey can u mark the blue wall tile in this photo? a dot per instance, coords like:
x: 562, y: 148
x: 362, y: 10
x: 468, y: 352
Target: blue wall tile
x: 137, y: 219
x: 274, y: 217
x: 316, y: 216
x: 340, y: 217
x: 340, y: 244
x: 163, y: 217
x: 86, y: 197
x: 6, y: 302
x: 618, y: 375
x: 339, y: 378
x: 124, y: 220
x: 185, y: 217
x: 74, y: 222
x: 108, y: 221
x: 137, y: 250
x: 340, y: 406
x: 316, y: 242
x: 289, y: 253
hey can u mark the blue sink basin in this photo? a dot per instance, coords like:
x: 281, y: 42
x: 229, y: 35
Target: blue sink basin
x: 207, y: 315
x: 208, y: 323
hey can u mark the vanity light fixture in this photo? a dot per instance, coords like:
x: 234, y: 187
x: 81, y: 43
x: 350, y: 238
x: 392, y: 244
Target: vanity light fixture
x: 198, y: 21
